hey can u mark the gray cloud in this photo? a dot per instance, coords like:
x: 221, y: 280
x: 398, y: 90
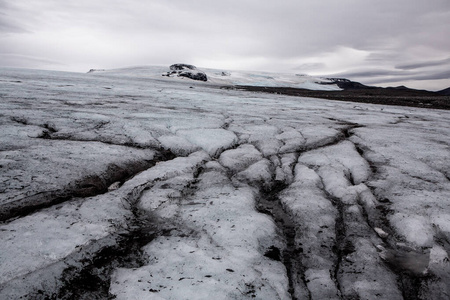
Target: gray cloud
x: 309, y: 66
x: 307, y: 36
x: 419, y: 65
x: 384, y: 77
x: 433, y: 76
x: 7, y: 27
x: 8, y: 24
x: 371, y: 73
x: 23, y: 61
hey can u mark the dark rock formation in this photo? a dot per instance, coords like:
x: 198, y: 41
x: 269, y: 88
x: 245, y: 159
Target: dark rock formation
x: 346, y: 84
x: 194, y: 75
x: 185, y: 70
x: 182, y: 67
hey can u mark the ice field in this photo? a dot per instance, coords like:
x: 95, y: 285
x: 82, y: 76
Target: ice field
x: 150, y: 187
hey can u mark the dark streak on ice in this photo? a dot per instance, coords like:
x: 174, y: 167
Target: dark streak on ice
x: 343, y: 246
x: 270, y: 204
x: 94, y: 279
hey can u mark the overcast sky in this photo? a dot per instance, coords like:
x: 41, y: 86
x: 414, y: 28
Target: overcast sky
x: 383, y: 42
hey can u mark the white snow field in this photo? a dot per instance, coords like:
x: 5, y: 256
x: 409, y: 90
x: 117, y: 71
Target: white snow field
x: 124, y: 184
x: 226, y: 78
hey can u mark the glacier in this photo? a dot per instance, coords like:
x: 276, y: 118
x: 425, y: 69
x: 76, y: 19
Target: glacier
x: 125, y: 184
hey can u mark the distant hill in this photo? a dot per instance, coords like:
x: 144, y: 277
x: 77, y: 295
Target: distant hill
x: 357, y: 92
x: 347, y: 84
x: 445, y: 92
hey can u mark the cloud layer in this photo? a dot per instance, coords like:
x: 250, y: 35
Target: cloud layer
x: 376, y: 42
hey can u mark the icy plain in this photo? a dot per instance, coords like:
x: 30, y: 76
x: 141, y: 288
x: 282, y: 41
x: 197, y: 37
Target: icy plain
x: 126, y: 185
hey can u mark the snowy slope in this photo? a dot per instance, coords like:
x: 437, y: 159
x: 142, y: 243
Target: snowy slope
x: 132, y: 185
x: 226, y: 77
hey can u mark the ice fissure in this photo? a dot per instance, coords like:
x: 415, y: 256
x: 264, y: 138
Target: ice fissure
x: 87, y: 185
x: 94, y: 279
x: 340, y: 172
x: 86, y: 271
x: 409, y: 262
x: 290, y: 255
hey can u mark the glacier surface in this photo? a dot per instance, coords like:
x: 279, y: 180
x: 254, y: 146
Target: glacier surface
x: 120, y: 184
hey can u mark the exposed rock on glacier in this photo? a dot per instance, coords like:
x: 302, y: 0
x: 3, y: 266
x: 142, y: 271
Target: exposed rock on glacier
x: 189, y: 71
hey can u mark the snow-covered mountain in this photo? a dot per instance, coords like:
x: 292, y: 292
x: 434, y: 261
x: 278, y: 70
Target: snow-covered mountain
x: 226, y: 77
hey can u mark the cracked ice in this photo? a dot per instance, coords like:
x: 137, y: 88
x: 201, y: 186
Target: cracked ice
x: 228, y: 194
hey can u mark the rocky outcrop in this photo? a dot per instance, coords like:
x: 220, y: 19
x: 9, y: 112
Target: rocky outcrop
x: 185, y: 70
